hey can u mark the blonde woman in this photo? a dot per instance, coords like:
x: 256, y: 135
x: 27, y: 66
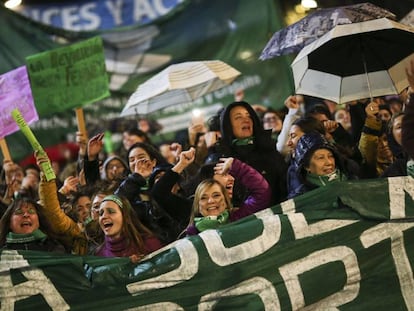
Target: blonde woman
x: 211, y: 207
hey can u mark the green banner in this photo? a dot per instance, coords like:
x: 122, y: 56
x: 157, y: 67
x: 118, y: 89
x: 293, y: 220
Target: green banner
x: 195, y: 30
x: 68, y: 77
x: 346, y: 246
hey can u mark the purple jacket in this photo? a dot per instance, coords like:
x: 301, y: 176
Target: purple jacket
x: 259, y: 192
x: 119, y: 247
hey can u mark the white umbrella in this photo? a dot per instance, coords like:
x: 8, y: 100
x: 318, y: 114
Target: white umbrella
x: 355, y: 61
x: 179, y: 84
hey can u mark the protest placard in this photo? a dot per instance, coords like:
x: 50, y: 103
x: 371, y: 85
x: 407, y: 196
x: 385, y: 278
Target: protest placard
x: 68, y: 77
x: 15, y: 93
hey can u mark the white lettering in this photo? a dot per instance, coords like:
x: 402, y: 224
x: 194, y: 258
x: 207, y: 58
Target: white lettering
x: 37, y: 283
x: 257, y: 285
x: 86, y: 12
x: 291, y: 271
x: 288, y: 206
x: 187, y: 269
x: 224, y: 256
x: 302, y: 229
x: 397, y: 188
x: 115, y: 8
x: 160, y: 7
x: 394, y: 231
x: 69, y: 18
x: 48, y: 16
x: 143, y: 8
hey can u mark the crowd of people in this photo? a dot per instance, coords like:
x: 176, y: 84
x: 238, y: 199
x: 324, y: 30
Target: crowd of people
x: 243, y: 160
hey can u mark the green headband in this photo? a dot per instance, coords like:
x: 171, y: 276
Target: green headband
x: 113, y: 198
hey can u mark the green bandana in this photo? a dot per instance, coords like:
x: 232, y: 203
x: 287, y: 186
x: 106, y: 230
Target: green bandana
x: 410, y: 168
x: 36, y: 235
x: 323, y: 180
x: 211, y: 222
x: 113, y: 198
x: 244, y: 141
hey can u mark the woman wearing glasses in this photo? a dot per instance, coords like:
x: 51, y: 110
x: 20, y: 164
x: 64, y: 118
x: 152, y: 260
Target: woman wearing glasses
x: 24, y: 227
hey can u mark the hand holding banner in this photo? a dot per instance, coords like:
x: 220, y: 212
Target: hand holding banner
x: 46, y: 167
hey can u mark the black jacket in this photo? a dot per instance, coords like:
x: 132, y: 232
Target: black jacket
x: 261, y: 154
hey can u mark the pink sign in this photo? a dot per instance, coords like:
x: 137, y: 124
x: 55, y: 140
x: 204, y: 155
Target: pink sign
x: 15, y: 93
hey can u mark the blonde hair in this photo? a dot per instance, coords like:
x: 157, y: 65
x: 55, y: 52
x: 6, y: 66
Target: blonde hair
x: 201, y: 188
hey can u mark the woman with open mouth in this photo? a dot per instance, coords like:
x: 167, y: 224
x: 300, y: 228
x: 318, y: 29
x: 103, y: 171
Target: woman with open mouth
x: 23, y: 227
x: 125, y: 235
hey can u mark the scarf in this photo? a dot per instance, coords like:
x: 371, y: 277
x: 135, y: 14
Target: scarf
x: 211, y: 222
x: 37, y: 235
x: 323, y: 180
x: 243, y: 141
x: 410, y: 167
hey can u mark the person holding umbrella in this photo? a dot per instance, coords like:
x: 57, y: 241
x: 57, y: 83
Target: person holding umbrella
x: 405, y: 165
x: 407, y: 122
x: 380, y: 142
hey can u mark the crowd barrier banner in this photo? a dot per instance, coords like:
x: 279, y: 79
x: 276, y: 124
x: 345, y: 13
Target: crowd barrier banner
x: 346, y: 246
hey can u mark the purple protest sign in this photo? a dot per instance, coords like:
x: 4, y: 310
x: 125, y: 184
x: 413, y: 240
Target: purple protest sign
x: 15, y: 92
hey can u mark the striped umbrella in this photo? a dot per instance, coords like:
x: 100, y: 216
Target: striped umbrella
x: 179, y: 84
x: 356, y: 61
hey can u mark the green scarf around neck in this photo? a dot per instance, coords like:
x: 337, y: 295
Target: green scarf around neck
x: 211, y: 222
x: 36, y: 235
x: 244, y: 141
x: 323, y: 180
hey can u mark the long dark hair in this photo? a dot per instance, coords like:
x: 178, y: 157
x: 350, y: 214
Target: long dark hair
x: 151, y: 150
x: 132, y: 228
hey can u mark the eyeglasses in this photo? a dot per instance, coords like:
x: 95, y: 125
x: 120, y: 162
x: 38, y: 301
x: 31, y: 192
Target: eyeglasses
x: 19, y: 211
x: 116, y: 166
x: 269, y: 119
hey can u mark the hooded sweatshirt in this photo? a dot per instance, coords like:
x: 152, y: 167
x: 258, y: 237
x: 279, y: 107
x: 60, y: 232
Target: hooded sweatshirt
x: 259, y: 152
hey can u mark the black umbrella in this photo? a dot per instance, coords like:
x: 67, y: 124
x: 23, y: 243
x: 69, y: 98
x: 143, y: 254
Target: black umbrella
x: 356, y: 61
x: 294, y: 37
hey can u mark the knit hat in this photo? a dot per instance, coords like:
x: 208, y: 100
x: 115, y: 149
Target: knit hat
x: 307, y: 145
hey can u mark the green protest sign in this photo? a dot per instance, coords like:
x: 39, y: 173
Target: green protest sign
x: 68, y: 77
x: 319, y: 254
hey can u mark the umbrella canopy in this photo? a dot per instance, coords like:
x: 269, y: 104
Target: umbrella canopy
x: 356, y: 61
x: 179, y: 84
x: 313, y: 26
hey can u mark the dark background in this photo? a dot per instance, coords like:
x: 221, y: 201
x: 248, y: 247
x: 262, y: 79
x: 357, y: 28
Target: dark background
x: 398, y: 7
